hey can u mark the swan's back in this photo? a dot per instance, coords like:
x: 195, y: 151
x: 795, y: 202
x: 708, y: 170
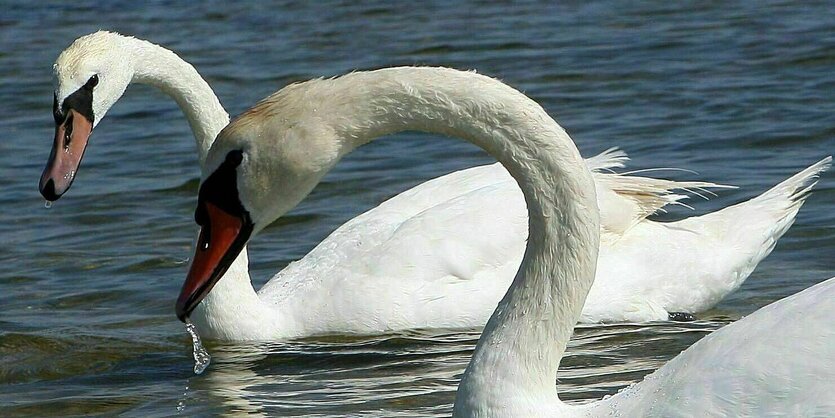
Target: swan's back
x: 779, y: 361
x: 416, y: 251
x: 443, y: 240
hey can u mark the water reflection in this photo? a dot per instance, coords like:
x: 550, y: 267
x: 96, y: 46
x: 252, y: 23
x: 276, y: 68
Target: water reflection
x: 232, y: 380
x: 417, y: 373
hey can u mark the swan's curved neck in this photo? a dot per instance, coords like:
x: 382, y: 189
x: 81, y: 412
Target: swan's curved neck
x: 161, y: 68
x: 232, y: 311
x: 522, y: 344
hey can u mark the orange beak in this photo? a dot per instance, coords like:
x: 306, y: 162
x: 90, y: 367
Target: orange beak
x: 71, y: 138
x: 219, y: 243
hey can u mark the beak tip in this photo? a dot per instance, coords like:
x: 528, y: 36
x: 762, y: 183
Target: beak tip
x: 48, y: 190
x: 182, y: 311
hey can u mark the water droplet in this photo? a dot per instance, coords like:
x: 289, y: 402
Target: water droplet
x: 201, y: 356
x: 47, y: 204
x: 181, y: 404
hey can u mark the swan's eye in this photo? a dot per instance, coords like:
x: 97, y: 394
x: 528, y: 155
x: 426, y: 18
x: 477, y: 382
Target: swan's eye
x: 235, y: 157
x: 92, y: 82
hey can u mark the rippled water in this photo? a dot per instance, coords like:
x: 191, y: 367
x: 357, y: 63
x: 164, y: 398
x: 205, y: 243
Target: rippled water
x: 741, y: 93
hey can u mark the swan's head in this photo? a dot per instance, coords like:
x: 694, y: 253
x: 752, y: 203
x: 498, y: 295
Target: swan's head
x: 259, y: 168
x: 91, y: 75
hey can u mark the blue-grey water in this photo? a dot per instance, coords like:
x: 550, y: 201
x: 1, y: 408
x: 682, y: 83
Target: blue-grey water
x: 741, y: 92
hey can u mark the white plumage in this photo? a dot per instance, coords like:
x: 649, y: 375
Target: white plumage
x: 443, y: 253
x: 778, y: 361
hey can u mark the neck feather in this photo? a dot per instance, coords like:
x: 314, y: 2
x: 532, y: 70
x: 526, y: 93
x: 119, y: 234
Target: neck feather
x: 232, y: 311
x: 523, y: 342
x: 162, y: 68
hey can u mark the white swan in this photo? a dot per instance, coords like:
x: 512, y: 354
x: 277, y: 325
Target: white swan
x: 779, y: 360
x: 647, y: 269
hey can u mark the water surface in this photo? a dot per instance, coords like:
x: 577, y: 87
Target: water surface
x: 741, y: 93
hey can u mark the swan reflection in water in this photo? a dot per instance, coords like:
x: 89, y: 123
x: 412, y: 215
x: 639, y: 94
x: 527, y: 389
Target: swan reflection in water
x: 417, y: 372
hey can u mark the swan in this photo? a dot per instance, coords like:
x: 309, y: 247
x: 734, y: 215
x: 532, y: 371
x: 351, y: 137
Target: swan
x: 779, y: 360
x: 647, y: 270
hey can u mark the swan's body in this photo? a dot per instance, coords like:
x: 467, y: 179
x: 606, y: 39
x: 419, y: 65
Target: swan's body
x: 426, y: 251
x: 779, y: 360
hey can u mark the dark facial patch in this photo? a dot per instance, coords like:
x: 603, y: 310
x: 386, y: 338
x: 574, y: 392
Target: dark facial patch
x: 81, y: 101
x: 221, y: 189
x: 218, y: 204
x: 55, y: 113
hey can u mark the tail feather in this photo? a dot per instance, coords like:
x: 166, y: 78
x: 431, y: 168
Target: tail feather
x: 751, y: 228
x: 797, y: 188
x: 784, y: 200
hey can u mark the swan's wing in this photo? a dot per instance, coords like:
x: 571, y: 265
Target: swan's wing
x: 456, y: 237
x: 778, y: 361
x: 415, y: 257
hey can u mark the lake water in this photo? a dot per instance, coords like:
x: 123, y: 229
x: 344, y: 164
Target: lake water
x: 742, y: 93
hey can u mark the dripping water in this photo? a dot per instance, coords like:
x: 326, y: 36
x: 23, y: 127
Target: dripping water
x: 181, y: 404
x: 47, y: 204
x: 201, y: 356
